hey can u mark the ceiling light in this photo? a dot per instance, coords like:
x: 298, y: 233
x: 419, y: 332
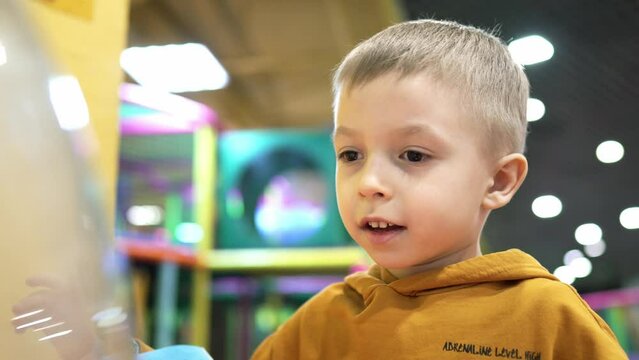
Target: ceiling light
x: 144, y: 215
x: 609, y: 151
x: 546, y: 206
x: 588, y: 234
x: 571, y: 256
x: 629, y: 218
x: 581, y: 267
x: 531, y: 50
x: 174, y: 68
x: 3, y: 55
x: 595, y: 250
x: 565, y: 274
x: 535, y: 110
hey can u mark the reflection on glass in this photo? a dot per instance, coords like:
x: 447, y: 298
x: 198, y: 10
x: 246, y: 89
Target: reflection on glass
x: 292, y: 207
x: 56, y: 335
x: 68, y: 102
x: 48, y: 327
x: 3, y: 54
x: 57, y: 259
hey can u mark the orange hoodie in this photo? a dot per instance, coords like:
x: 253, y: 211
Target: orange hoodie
x: 499, y: 306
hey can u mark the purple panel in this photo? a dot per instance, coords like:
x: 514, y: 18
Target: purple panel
x: 176, y: 114
x: 613, y: 298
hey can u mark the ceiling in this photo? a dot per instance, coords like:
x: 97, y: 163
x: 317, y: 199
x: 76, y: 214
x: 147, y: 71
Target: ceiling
x: 280, y: 55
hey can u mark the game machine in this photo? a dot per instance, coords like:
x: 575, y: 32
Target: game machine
x: 62, y: 277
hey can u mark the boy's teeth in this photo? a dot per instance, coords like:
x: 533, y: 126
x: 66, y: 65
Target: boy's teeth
x: 379, y: 224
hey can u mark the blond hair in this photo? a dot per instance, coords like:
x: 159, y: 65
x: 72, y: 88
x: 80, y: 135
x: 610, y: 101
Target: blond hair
x: 477, y: 64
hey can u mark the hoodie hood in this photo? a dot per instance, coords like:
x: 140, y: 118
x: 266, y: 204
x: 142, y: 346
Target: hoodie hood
x: 502, y: 266
x: 502, y: 305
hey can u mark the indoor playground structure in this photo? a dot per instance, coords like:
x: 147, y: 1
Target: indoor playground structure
x: 230, y: 230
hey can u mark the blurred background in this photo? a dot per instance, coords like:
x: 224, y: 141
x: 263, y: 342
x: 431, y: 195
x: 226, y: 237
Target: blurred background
x: 225, y: 194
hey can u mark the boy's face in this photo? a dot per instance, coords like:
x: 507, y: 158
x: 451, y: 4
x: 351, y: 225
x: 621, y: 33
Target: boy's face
x: 408, y: 156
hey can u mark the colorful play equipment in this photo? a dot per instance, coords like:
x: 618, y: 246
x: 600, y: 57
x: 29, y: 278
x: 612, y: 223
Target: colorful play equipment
x: 149, y: 121
x: 213, y: 200
x: 620, y: 309
x: 277, y: 190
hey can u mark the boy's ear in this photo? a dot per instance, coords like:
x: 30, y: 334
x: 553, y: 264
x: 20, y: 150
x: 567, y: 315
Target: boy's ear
x: 510, y: 173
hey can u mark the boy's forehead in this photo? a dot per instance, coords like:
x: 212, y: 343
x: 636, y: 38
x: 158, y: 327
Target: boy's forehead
x: 398, y: 92
x: 448, y: 88
x: 344, y: 127
x: 431, y: 76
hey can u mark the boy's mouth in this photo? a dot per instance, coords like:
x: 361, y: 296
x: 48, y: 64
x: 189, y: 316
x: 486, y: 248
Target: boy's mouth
x: 380, y: 232
x: 381, y: 226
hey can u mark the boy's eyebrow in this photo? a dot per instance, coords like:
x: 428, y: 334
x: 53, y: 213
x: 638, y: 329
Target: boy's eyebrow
x: 420, y: 129
x: 403, y: 131
x: 415, y: 129
x: 343, y: 131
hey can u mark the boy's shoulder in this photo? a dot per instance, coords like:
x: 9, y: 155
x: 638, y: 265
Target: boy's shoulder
x: 551, y: 292
x: 556, y: 297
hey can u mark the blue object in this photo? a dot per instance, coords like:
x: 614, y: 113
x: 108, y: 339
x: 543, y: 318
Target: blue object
x: 177, y: 352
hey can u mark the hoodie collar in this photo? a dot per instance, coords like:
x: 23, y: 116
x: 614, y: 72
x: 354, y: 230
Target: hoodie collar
x: 502, y: 266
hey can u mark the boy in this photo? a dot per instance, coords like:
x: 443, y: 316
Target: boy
x: 429, y: 133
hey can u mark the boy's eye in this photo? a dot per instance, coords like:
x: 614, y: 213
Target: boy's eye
x: 348, y: 155
x: 414, y: 156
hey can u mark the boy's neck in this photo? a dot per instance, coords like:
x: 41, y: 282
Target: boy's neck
x: 460, y: 255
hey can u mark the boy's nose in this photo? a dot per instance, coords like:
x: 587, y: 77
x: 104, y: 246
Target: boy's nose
x: 372, y: 182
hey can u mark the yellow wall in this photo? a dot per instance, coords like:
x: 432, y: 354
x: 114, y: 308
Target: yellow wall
x: 86, y: 38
